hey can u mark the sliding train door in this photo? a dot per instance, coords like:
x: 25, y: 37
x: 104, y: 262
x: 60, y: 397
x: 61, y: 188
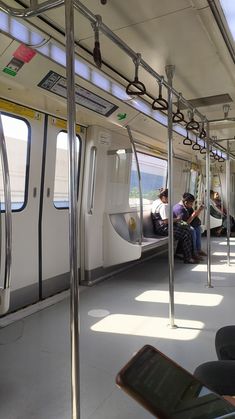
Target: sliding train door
x: 54, y: 213
x: 23, y: 130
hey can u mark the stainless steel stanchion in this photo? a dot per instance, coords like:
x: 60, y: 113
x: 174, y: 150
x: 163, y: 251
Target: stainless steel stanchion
x: 170, y: 69
x: 73, y: 210
x: 228, y: 202
x: 208, y: 187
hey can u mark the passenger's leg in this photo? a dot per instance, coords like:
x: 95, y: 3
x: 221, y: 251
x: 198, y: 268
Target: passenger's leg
x: 225, y: 343
x: 194, y: 239
x: 185, y: 238
x: 199, y: 241
x: 218, y: 375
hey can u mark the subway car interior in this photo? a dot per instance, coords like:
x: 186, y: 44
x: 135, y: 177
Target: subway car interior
x: 102, y: 104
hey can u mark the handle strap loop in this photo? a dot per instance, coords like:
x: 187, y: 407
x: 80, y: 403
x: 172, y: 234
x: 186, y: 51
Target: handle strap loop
x: 192, y: 124
x: 187, y: 140
x: 160, y: 104
x: 136, y: 87
x: 178, y: 116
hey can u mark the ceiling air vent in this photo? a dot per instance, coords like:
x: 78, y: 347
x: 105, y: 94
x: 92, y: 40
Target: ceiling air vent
x: 208, y: 101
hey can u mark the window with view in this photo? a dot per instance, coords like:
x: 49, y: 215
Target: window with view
x: 16, y: 133
x: 193, y: 181
x: 61, y: 188
x: 153, y: 177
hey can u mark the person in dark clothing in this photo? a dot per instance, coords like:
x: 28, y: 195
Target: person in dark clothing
x: 160, y: 215
x: 184, y: 210
x: 217, y: 210
x: 220, y: 375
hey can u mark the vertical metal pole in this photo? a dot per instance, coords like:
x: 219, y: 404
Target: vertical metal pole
x: 170, y: 69
x: 228, y: 202
x: 73, y: 213
x: 139, y: 181
x: 8, y: 217
x: 208, y: 187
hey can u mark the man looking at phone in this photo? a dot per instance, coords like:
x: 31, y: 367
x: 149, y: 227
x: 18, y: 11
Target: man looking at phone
x: 184, y: 211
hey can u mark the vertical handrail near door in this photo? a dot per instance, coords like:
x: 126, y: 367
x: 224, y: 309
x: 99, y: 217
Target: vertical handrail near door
x: 73, y: 211
x: 139, y: 181
x: 5, y: 291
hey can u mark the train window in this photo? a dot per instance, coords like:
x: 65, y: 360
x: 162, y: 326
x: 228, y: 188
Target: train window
x: 153, y: 173
x: 193, y: 182
x: 61, y: 191
x: 92, y: 175
x: 16, y: 132
x: 119, y: 163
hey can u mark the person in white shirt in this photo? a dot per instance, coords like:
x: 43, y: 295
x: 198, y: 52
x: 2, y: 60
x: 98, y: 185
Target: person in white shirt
x: 160, y: 215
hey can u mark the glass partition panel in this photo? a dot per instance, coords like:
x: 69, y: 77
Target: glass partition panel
x: 16, y: 132
x: 119, y: 166
x: 153, y: 172
x: 61, y: 182
x: 125, y: 217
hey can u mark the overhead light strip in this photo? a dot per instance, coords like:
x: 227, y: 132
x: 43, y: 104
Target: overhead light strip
x: 19, y: 31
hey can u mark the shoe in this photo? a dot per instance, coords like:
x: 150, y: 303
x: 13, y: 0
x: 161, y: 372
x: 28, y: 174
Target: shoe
x: 192, y: 261
x: 197, y: 257
x: 202, y: 253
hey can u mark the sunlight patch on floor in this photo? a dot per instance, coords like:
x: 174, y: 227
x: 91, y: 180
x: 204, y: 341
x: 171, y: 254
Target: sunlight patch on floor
x: 147, y: 326
x: 215, y: 268
x: 187, y: 298
x: 232, y: 254
x: 225, y: 243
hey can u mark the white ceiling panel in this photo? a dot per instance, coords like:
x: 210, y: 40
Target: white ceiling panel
x: 179, y: 32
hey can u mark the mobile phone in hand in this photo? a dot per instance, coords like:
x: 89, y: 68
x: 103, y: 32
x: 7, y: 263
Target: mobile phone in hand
x: 168, y: 391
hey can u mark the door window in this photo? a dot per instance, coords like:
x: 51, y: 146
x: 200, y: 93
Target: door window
x: 16, y: 133
x: 61, y: 188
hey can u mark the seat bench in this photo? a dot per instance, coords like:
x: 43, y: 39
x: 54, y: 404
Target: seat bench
x: 127, y: 225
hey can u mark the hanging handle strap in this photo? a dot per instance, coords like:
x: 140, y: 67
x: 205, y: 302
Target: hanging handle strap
x: 160, y: 104
x: 221, y: 159
x: 178, y: 116
x: 192, y: 124
x: 96, y: 51
x: 136, y: 87
x: 202, y: 134
x: 187, y: 140
x: 196, y: 146
x: 216, y: 156
x: 203, y: 149
x: 212, y: 154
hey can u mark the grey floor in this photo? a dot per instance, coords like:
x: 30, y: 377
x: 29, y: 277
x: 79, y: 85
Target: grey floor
x: 118, y: 316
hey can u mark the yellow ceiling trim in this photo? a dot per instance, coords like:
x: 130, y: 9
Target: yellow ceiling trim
x: 61, y: 123
x: 11, y: 107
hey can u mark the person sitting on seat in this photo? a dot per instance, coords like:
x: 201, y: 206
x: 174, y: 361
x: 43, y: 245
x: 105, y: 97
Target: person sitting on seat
x: 217, y: 210
x: 160, y: 215
x: 184, y: 211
